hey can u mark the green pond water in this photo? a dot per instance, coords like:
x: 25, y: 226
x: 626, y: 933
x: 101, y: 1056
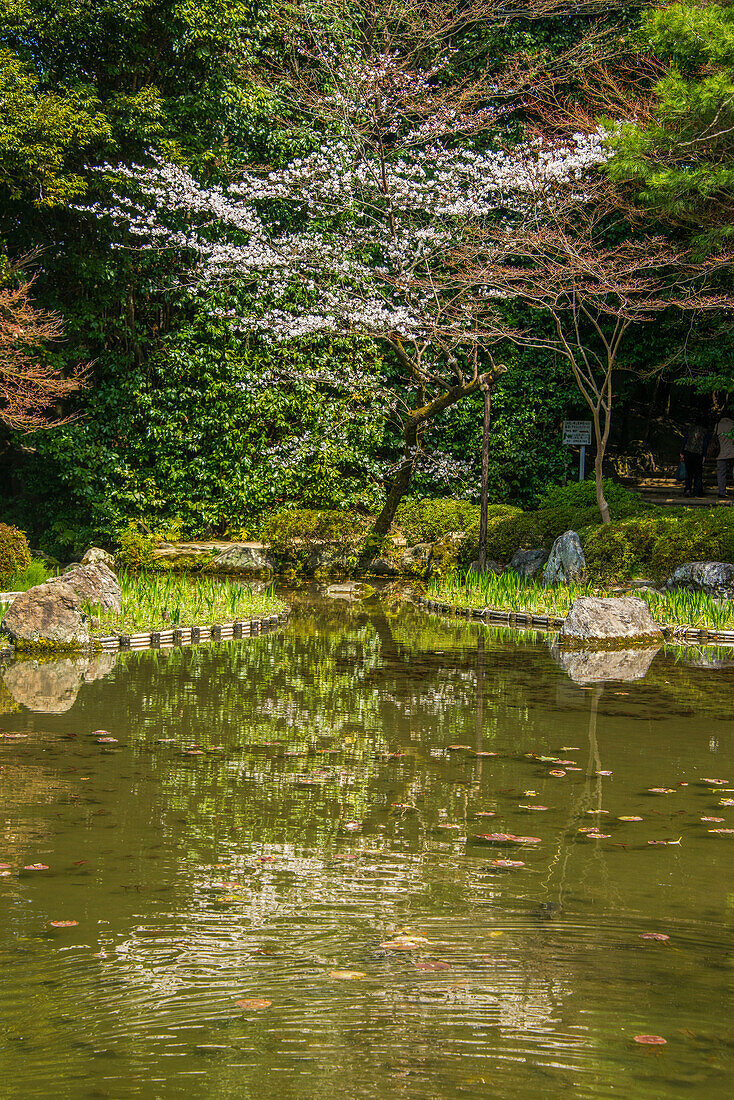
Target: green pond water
x: 282, y: 808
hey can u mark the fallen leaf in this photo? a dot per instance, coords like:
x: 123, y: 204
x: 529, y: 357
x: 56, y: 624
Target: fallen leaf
x: 715, y: 782
x: 712, y: 819
x: 532, y: 807
x: 431, y: 964
x: 660, y: 937
x: 106, y: 740
x: 346, y: 975
x: 651, y: 1040
x: 36, y: 867
x: 253, y: 1003
x: 722, y: 831
x: 507, y: 864
x: 603, y: 773
x: 630, y: 817
x: 660, y: 790
x: 63, y: 923
x: 557, y: 771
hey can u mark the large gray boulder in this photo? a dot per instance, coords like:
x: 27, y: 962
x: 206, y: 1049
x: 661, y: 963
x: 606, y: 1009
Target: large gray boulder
x: 713, y: 578
x: 95, y: 555
x: 566, y: 562
x: 95, y: 584
x: 604, y: 619
x: 526, y: 563
x: 245, y: 557
x: 49, y: 614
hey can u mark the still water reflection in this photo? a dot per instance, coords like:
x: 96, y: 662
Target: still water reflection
x: 275, y: 810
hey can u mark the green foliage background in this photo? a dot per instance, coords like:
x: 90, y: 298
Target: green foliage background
x: 180, y: 429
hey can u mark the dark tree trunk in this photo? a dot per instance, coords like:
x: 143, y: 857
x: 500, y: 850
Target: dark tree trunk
x: 401, y: 481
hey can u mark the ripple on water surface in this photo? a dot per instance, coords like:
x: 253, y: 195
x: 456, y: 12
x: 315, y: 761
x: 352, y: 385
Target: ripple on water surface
x: 380, y: 854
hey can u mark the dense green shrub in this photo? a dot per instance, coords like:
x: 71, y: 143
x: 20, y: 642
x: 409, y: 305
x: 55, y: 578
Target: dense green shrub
x: 617, y: 551
x: 134, y: 548
x: 658, y: 543
x: 579, y: 496
x: 432, y: 519
x: 299, y: 531
x: 15, y: 553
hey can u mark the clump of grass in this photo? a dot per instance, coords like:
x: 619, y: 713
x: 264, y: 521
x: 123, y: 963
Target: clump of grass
x: 509, y: 592
x: 162, y: 601
x: 23, y: 579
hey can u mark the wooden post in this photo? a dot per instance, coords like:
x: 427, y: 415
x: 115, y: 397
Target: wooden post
x: 484, y: 502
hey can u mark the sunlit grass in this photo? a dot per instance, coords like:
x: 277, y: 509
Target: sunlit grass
x: 36, y: 573
x: 155, y: 601
x: 509, y: 592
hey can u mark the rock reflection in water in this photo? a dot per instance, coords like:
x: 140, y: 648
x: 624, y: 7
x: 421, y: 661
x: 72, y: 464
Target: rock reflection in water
x: 51, y: 686
x: 591, y: 666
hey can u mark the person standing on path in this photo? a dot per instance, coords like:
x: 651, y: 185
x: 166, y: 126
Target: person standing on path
x: 724, y: 433
x: 695, y: 442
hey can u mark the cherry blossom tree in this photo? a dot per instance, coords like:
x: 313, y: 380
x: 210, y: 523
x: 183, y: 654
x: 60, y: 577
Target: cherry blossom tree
x: 574, y: 264
x: 354, y: 236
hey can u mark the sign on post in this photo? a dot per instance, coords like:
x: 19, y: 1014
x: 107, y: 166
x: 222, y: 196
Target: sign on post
x: 577, y: 433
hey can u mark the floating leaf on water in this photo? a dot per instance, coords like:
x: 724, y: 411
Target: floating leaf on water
x: 660, y: 790
x: 485, y: 813
x: 106, y: 740
x: 431, y: 964
x: 630, y: 817
x: 651, y: 1040
x: 597, y: 836
x: 63, y: 923
x: 557, y: 771
x: 570, y: 748
x: 603, y: 773
x: 662, y: 842
x: 352, y: 826
x: 405, y: 942
x: 530, y: 794
x: 5, y: 866
x: 101, y: 733
x: 715, y: 782
x: 726, y: 801
x: 227, y: 885
x: 596, y: 811
x: 459, y: 748
x: 712, y: 819
x: 193, y: 752
x: 254, y: 1002
x: 721, y: 832
x: 659, y: 937
x: 347, y: 975
x: 266, y: 859
x: 446, y: 825
x: 507, y: 864
x: 532, y: 807
x: 483, y: 752
x: 36, y: 867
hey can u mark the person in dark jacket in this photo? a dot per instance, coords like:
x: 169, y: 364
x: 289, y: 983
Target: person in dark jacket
x: 693, y: 452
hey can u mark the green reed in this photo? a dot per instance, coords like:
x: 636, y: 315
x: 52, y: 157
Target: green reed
x: 510, y: 592
x: 161, y: 601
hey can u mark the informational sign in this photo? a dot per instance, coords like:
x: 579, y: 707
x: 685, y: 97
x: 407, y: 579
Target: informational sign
x: 577, y: 433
